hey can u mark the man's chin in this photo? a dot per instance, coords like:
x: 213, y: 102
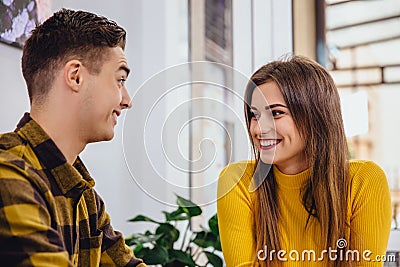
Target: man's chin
x: 107, y: 137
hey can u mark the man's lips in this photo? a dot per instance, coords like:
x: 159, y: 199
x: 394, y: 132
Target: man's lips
x: 117, y: 112
x: 115, y: 115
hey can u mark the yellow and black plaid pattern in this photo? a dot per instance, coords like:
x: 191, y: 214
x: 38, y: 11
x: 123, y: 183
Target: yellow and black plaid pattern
x: 50, y: 214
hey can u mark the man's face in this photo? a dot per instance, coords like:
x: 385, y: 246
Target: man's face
x: 104, y: 97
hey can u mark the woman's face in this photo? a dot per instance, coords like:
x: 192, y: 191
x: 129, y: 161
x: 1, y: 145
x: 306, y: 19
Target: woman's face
x: 274, y: 132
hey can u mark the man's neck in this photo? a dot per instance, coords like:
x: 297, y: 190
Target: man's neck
x: 61, y: 130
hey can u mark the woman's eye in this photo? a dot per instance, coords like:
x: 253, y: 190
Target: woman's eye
x: 276, y: 113
x: 254, y: 115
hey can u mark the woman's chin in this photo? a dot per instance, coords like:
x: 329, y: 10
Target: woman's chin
x: 267, y: 159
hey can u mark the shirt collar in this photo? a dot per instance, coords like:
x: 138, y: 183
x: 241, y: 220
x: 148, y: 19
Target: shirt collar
x: 71, y: 179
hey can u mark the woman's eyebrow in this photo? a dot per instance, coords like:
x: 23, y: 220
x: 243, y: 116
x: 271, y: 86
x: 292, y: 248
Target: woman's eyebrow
x: 269, y: 107
x: 274, y: 105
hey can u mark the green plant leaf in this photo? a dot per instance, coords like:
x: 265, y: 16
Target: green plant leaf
x: 188, y: 206
x: 169, y: 235
x: 213, y: 224
x: 130, y: 241
x: 148, y: 233
x: 137, y: 249
x: 176, y: 256
x: 177, y: 215
x: 213, y: 259
x: 158, y: 248
x: 141, y: 251
x: 217, y: 244
x: 157, y: 255
x: 210, y: 237
x: 175, y: 264
x: 139, y: 239
x: 205, y: 239
x: 141, y: 218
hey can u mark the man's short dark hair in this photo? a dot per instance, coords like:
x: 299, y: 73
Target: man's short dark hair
x: 67, y: 35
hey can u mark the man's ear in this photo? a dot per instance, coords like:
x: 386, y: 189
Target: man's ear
x: 73, y: 74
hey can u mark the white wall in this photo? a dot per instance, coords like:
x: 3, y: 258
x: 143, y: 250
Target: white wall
x: 14, y: 99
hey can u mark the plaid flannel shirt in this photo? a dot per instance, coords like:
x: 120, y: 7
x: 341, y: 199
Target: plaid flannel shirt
x: 50, y: 214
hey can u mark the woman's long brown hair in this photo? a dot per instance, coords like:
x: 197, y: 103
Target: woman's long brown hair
x: 314, y: 103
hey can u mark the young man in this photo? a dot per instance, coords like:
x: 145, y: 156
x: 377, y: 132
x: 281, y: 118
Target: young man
x: 50, y: 215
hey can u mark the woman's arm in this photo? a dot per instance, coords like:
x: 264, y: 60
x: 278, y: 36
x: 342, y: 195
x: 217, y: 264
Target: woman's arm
x: 235, y: 215
x: 370, y: 212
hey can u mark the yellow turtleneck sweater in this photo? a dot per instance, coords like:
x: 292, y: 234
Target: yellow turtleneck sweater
x: 369, y: 210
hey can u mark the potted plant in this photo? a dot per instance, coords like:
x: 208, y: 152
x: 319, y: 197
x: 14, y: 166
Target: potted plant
x: 161, y: 246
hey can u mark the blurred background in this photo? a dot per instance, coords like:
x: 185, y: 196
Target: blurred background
x: 187, y: 120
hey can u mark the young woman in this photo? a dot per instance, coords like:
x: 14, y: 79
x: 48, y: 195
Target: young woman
x: 301, y: 202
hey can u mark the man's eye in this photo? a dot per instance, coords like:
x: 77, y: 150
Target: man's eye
x: 121, y: 82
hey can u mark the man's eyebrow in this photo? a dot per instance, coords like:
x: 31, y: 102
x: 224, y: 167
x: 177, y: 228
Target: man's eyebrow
x: 125, y: 68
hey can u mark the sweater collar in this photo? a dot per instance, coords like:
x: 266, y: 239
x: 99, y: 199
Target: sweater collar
x: 291, y: 181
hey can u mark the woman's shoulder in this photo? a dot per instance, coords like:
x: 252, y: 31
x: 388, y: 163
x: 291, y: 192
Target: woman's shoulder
x: 236, y: 174
x: 366, y: 174
x: 369, y: 194
x: 365, y: 167
x: 239, y: 168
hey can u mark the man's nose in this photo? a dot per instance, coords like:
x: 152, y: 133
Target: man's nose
x: 126, y: 101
